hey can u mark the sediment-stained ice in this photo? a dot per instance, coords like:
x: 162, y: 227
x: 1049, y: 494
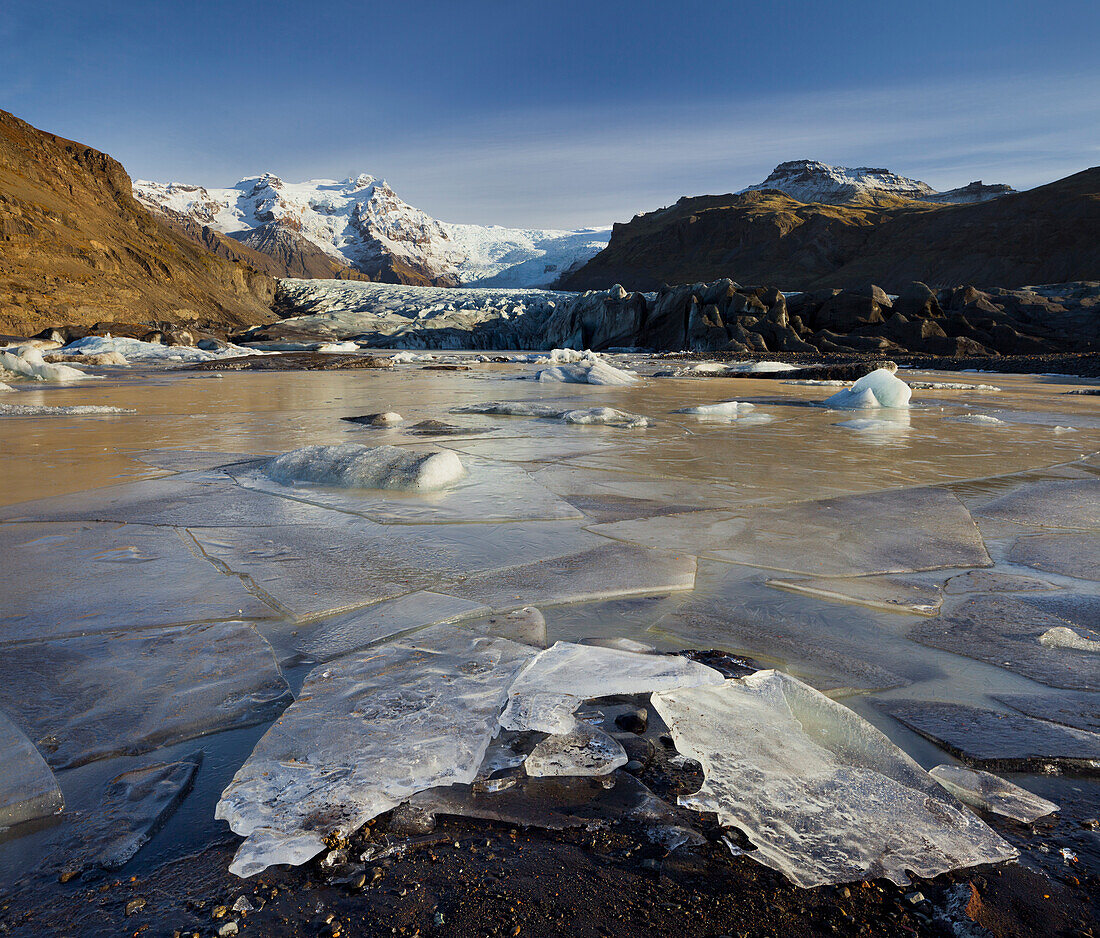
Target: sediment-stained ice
x: 351, y: 465
x: 367, y: 731
x: 587, y: 750
x: 606, y: 571
x: 1001, y: 741
x: 824, y: 796
x: 1071, y: 708
x: 1048, y: 504
x: 28, y: 790
x: 594, y: 371
x: 365, y: 626
x: 133, y: 808
x: 991, y: 793
x: 893, y: 593
x: 880, y: 388
x: 604, y: 416
x: 896, y: 531
x: 555, y: 682
x: 95, y: 696
x: 1007, y: 632
x: 71, y: 579
x: 1076, y: 555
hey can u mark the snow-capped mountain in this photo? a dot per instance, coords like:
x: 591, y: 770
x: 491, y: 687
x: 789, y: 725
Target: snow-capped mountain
x: 811, y: 181
x: 362, y: 223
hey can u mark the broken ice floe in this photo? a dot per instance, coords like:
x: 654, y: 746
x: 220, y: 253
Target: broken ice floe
x: 96, y: 696
x: 350, y: 465
x: 28, y: 790
x: 990, y: 793
x: 550, y: 688
x: 1075, y: 555
x: 27, y: 361
x: 511, y: 409
x: 823, y: 795
x: 586, y: 750
x: 604, y: 416
x: 588, y: 371
x: 882, y: 532
x: 880, y: 388
x: 366, y: 732
x: 1049, y: 504
x: 893, y: 593
x: 526, y: 625
x: 136, y: 350
x: 1078, y: 709
x: 75, y: 410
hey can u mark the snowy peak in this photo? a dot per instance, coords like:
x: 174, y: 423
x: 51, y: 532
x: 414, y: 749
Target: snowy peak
x: 362, y: 223
x: 812, y: 181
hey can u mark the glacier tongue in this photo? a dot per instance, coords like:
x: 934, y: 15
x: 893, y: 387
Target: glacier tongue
x: 367, y: 731
x: 824, y: 796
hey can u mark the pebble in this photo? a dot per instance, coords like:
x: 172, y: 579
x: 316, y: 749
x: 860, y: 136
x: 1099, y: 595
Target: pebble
x: 633, y: 721
x: 243, y: 905
x: 229, y: 928
x: 134, y: 905
x: 633, y: 766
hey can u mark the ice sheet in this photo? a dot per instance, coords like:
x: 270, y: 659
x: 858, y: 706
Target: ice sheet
x: 989, y: 793
x: 1048, y: 504
x: 28, y: 790
x: 96, y: 696
x: 1076, y: 555
x: 883, y: 532
x: 70, y: 579
x: 825, y: 797
x: 366, y: 732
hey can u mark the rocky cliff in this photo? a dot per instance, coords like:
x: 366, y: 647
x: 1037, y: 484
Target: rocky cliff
x: 76, y: 248
x: 1045, y: 235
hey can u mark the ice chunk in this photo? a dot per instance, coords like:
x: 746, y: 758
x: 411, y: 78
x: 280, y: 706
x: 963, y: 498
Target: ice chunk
x: 74, y: 410
x: 26, y: 360
x: 1076, y: 555
x: 526, y: 625
x: 102, y: 695
x: 355, y: 630
x: 895, y: 531
x: 978, y: 420
x: 1007, y: 632
x: 511, y: 409
x: 880, y: 388
x: 605, y: 416
x: 554, y: 684
x: 367, y: 731
x: 990, y: 793
x: 721, y: 409
x: 351, y: 465
x: 824, y: 796
x: 621, y: 644
x: 28, y: 790
x: 338, y: 347
x: 134, y: 807
x: 1003, y: 741
x: 1064, y: 637
x: 388, y: 418
x: 588, y: 372
x: 587, y: 750
x: 1048, y: 504
x: 135, y: 350
x: 5, y: 387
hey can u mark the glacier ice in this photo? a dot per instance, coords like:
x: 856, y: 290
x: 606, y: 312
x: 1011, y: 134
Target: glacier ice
x: 823, y: 795
x: 589, y: 371
x: 27, y: 361
x: 354, y: 630
x: 720, y: 409
x: 587, y: 750
x: 28, y: 790
x: 136, y: 350
x: 95, y: 696
x: 991, y: 793
x: 351, y: 465
x: 604, y: 416
x: 555, y: 682
x: 880, y: 388
x: 367, y: 731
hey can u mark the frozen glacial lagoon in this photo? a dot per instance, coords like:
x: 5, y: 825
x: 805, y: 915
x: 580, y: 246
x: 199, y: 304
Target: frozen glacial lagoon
x: 165, y: 596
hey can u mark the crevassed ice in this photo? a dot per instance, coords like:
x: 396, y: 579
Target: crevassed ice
x: 587, y: 750
x: 351, y: 465
x: 367, y: 731
x: 987, y: 791
x: 880, y: 388
x: 824, y: 796
x: 550, y: 688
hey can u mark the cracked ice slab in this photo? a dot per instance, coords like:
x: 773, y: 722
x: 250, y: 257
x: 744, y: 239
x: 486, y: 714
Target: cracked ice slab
x: 75, y: 578
x: 1076, y: 709
x: 1048, y: 504
x: 1006, y: 632
x: 898, y: 531
x: 990, y: 793
x: 824, y: 796
x: 96, y: 696
x: 367, y: 731
x: 28, y: 790
x: 1075, y: 555
x: 893, y: 593
x: 547, y: 691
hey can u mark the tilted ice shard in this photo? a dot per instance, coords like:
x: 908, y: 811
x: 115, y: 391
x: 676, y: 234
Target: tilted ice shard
x: 351, y: 465
x: 991, y: 793
x: 28, y: 790
x: 824, y: 796
x: 545, y: 694
x: 880, y: 388
x: 367, y: 731
x: 587, y: 750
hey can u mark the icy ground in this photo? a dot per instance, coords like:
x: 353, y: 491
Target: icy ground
x: 225, y: 602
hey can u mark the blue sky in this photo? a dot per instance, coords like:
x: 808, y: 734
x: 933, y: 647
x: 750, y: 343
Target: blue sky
x: 565, y: 113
